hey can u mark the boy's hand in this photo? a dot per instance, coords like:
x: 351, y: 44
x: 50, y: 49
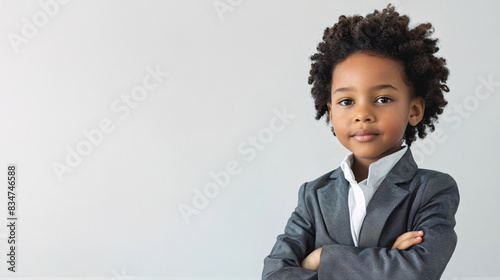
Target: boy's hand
x: 408, y: 239
x: 311, y: 262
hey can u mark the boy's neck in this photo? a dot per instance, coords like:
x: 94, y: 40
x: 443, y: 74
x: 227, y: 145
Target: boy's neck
x: 360, y: 169
x: 361, y: 166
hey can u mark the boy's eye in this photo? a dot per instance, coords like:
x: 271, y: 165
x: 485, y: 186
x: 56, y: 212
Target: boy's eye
x: 384, y: 99
x: 345, y: 102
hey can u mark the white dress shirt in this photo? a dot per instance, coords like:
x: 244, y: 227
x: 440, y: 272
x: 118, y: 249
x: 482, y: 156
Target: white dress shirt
x: 361, y: 193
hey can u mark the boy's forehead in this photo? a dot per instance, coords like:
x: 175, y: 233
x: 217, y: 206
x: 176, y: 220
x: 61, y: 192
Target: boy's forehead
x: 364, y: 69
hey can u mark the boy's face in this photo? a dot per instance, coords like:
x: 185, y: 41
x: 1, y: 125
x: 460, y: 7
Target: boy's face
x: 371, y: 105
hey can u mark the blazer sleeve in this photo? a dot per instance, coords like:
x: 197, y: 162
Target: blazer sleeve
x: 292, y: 246
x: 434, y: 214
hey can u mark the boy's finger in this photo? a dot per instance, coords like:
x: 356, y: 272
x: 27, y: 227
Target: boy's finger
x: 407, y: 243
x: 412, y: 234
x: 415, y: 233
x: 407, y: 239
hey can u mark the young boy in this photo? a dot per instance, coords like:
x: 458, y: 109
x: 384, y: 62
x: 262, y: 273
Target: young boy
x: 377, y: 216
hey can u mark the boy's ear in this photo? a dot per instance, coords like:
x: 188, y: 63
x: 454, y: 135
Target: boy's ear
x: 417, y: 108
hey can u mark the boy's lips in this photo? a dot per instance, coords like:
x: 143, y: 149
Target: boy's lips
x: 364, y: 135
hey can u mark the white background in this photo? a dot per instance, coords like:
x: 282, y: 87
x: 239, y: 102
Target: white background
x: 229, y: 73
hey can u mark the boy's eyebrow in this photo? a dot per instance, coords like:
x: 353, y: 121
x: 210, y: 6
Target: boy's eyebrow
x: 374, y: 88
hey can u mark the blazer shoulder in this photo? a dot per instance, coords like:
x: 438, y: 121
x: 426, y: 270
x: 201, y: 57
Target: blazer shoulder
x: 322, y: 181
x: 434, y: 176
x: 431, y: 182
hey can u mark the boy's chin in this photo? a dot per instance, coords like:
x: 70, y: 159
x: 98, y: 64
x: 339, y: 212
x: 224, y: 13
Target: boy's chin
x: 373, y: 154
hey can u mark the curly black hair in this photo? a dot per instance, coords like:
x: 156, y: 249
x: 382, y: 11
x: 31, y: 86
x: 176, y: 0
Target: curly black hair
x: 384, y: 34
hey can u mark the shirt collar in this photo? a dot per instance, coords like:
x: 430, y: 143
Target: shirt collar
x: 377, y: 170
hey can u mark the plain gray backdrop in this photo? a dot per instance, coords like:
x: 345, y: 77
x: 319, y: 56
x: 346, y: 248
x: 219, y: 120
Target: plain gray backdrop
x: 123, y: 115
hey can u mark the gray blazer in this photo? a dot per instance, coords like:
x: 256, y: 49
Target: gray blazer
x: 408, y: 199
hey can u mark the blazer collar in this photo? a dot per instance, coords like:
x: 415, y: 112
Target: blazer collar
x: 333, y: 201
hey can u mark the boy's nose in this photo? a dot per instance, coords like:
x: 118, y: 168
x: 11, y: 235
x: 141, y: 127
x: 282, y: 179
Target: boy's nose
x: 364, y: 115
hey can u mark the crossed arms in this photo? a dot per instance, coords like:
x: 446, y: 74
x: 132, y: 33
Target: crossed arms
x: 300, y: 253
x: 404, y: 241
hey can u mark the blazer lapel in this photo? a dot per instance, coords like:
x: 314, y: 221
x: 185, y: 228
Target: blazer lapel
x: 334, y: 207
x: 388, y: 195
